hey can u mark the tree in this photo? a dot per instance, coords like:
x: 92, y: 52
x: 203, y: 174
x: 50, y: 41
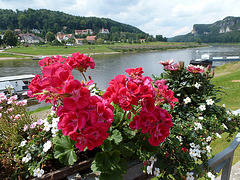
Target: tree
x: 50, y: 36
x: 10, y: 38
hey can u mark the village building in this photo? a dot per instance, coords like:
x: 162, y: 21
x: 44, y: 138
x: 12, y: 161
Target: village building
x: 84, y: 31
x: 29, y: 38
x: 104, y: 31
x: 64, y: 37
x: 79, y: 41
x: 91, y: 39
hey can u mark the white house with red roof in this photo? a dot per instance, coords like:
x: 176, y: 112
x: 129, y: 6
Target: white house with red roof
x: 104, y: 31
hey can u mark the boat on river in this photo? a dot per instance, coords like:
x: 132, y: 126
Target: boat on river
x: 206, y: 59
x: 203, y: 61
x: 16, y: 84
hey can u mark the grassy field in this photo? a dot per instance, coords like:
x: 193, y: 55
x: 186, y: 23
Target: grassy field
x: 3, y: 55
x: 228, y: 77
x: 92, y: 49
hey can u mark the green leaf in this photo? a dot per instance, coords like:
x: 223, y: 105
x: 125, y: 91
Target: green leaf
x: 103, y: 160
x: 110, y: 176
x: 116, y: 136
x: 106, y: 146
x: 64, y: 150
x: 115, y: 156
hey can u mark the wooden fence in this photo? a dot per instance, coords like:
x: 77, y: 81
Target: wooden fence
x: 223, y: 160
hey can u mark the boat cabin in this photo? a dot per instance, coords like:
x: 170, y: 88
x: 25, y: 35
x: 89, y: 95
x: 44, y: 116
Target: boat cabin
x: 15, y: 84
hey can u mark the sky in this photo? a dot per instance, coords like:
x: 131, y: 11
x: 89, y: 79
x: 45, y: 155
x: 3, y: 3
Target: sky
x: 155, y: 17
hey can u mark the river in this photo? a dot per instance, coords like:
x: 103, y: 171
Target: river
x: 108, y: 66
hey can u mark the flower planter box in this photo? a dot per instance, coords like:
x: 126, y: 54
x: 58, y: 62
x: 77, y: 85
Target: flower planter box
x: 134, y: 172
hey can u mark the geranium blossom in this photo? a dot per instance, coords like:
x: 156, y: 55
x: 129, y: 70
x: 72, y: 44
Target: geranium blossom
x: 167, y: 62
x: 195, y: 69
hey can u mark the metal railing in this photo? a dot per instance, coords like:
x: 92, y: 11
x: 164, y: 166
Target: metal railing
x: 223, y: 160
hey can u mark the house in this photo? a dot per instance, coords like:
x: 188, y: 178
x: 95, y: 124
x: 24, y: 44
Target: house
x: 79, y: 41
x: 142, y: 40
x: 84, y: 31
x: 36, y: 31
x: 17, y: 31
x: 60, y: 36
x: 91, y: 38
x: 104, y: 31
x: 28, y: 38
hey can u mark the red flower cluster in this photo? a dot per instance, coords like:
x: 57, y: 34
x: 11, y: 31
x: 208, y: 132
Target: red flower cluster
x: 84, y: 118
x: 169, y: 66
x: 195, y: 69
x: 128, y: 92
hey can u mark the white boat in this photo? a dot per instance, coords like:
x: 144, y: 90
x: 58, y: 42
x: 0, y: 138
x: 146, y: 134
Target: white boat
x: 15, y: 84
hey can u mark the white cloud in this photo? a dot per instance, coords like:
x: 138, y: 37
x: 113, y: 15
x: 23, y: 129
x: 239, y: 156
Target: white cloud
x: 168, y: 18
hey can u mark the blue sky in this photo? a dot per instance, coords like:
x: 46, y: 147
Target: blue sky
x: 166, y: 17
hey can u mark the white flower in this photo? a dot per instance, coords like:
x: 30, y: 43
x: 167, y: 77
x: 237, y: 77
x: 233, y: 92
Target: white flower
x: 209, y: 138
x: 218, y: 135
x: 149, y: 169
x: 55, y: 120
x: 224, y: 105
x: 224, y: 125
x: 156, y: 172
x: 200, y: 117
x: 208, y: 148
x: 23, y: 143
x: 179, y: 138
x: 152, y: 159
x: 27, y: 158
x: 235, y: 113
x: 192, y: 145
x: 38, y: 172
x: 47, y: 126
x: 197, y: 126
x: 187, y: 100
x: 197, y: 85
x: 54, y: 131
x: 202, y: 107
x: 190, y: 176
x: 210, y: 175
x: 47, y: 146
x: 209, y: 102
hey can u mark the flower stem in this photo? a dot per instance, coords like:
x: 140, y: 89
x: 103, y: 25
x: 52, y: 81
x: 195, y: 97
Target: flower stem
x: 84, y: 76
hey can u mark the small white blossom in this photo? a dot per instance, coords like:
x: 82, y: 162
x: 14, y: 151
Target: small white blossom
x: 202, y: 107
x: 197, y: 126
x: 152, y: 159
x: 200, y: 117
x: 197, y: 85
x: 179, y: 138
x: 150, y: 169
x: 192, y: 145
x: 209, y: 102
x: 209, y: 138
x: 23, y: 143
x: 156, y: 172
x: 47, y: 146
x: 210, y: 175
x: 47, y: 126
x: 208, y: 148
x: 190, y: 176
x: 27, y: 158
x: 224, y: 125
x: 38, y: 172
x: 218, y: 135
x: 187, y: 100
x: 224, y: 105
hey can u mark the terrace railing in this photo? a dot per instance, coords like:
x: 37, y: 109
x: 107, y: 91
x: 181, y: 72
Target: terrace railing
x: 223, y: 160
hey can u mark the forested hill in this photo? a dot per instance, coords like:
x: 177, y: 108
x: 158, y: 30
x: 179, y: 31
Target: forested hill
x: 54, y: 21
x: 223, y: 31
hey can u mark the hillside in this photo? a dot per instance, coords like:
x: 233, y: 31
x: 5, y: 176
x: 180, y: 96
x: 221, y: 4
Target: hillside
x: 55, y: 21
x: 222, y: 31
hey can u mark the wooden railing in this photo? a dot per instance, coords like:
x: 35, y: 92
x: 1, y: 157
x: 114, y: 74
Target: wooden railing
x: 223, y: 160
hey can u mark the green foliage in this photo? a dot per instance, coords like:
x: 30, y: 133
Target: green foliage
x: 50, y: 36
x: 10, y: 38
x: 64, y: 150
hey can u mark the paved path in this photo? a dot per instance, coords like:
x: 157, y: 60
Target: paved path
x: 235, y: 172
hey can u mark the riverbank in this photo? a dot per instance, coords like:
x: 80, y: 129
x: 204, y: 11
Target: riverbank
x: 47, y: 50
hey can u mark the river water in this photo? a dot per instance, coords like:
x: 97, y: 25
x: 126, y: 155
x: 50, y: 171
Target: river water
x: 108, y: 66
